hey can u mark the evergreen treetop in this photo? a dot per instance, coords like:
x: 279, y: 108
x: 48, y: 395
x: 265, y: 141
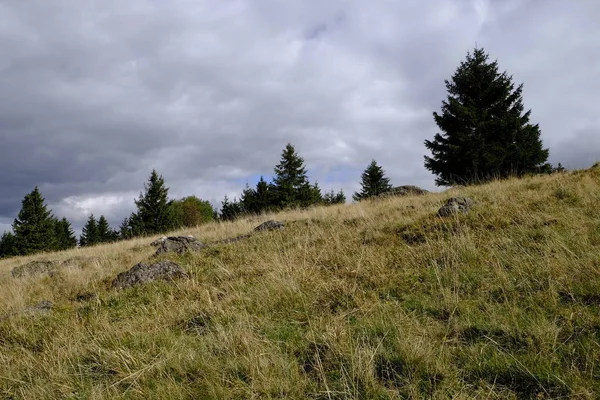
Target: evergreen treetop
x: 89, y: 233
x: 485, y: 132
x: 290, y: 185
x: 34, y: 225
x: 153, y: 206
x: 65, y: 236
x: 373, y: 183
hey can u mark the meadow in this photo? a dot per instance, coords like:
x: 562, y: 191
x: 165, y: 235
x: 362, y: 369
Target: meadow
x: 380, y: 299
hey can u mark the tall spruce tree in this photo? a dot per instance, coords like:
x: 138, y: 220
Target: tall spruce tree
x: 34, y: 225
x: 290, y: 186
x: 374, y: 182
x: 485, y: 132
x: 65, y: 236
x: 153, y: 206
x: 89, y: 233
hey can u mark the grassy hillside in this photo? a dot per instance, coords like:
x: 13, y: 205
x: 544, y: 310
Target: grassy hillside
x: 374, y: 300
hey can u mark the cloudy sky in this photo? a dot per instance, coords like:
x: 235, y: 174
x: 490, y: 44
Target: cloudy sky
x: 95, y: 94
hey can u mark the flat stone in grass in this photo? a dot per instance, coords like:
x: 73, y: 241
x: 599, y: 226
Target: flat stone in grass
x: 143, y: 273
x: 177, y: 244
x: 34, y: 268
x: 455, y: 205
x: 270, y: 226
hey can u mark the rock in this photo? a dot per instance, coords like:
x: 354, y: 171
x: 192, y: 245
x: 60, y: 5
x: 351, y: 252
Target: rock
x: 178, y: 244
x: 143, y: 273
x: 455, y: 205
x: 406, y: 190
x: 158, y: 241
x: 32, y: 268
x: 270, y: 226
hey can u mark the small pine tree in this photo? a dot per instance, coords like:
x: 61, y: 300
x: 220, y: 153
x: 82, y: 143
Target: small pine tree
x: 89, y: 234
x: 104, y: 231
x: 125, y: 231
x: 34, y: 225
x: 153, y: 206
x: 331, y: 198
x: 374, y: 182
x: 8, y: 245
x: 485, y: 132
x: 230, y: 210
x: 65, y: 236
x: 290, y: 186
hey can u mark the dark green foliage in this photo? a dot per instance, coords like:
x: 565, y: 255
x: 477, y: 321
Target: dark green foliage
x: 65, y: 236
x: 105, y: 233
x: 290, y: 186
x: 8, y: 245
x: 230, y: 210
x: 374, y: 182
x: 190, y: 212
x: 89, y: 233
x: 256, y: 201
x: 331, y: 197
x: 153, y: 208
x: 130, y: 227
x: 485, y: 132
x: 34, y: 226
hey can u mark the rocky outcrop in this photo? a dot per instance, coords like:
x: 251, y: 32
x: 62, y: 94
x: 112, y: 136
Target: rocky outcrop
x: 143, y: 273
x: 34, y: 268
x: 270, y: 226
x: 406, y: 190
x: 177, y: 244
x: 455, y: 205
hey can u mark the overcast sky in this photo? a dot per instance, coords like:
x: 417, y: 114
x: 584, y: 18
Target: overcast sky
x: 95, y: 94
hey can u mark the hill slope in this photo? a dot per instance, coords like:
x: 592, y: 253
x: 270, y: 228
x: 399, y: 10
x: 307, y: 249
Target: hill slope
x: 373, y: 300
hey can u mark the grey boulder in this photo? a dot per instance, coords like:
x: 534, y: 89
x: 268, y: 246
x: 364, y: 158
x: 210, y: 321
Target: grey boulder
x: 33, y: 268
x: 177, y: 244
x: 143, y: 273
x: 455, y: 205
x: 270, y: 226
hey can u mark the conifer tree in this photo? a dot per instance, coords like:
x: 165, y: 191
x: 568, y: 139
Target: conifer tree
x: 89, y: 233
x: 485, y: 132
x: 125, y: 230
x: 65, y: 236
x: 104, y: 231
x: 8, y: 245
x: 230, y: 210
x: 153, y: 206
x: 331, y: 198
x: 34, y: 225
x: 290, y: 185
x: 256, y: 201
x: 374, y: 182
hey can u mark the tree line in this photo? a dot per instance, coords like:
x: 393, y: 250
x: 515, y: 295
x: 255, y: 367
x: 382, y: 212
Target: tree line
x: 485, y: 134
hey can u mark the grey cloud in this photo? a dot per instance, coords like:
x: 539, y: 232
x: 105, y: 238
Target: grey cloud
x: 92, y: 97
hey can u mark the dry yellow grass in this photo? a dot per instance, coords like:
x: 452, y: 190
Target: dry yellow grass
x: 372, y: 300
